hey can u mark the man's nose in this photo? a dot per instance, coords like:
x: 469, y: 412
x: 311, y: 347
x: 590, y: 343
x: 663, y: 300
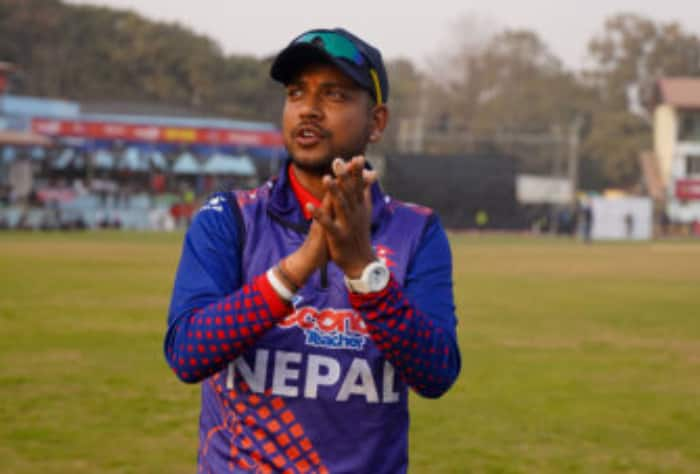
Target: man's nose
x: 310, y: 106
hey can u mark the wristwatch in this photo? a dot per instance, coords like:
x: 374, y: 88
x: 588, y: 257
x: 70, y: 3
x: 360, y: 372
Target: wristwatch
x: 374, y: 278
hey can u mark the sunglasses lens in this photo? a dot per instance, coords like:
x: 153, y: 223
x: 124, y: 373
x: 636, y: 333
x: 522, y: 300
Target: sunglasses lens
x: 340, y: 47
x: 335, y: 45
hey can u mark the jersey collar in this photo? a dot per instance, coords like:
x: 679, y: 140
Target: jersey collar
x: 302, y: 194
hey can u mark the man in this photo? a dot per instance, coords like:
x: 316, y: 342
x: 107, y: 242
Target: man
x: 308, y: 306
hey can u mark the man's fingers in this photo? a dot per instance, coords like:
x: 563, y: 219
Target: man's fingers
x: 369, y: 177
x: 323, y: 218
x: 327, y: 204
x: 356, y: 166
x: 341, y: 205
x: 357, y: 173
x: 367, y: 199
x: 339, y: 167
x: 351, y: 179
x: 344, y: 175
x: 316, y: 240
x: 340, y: 170
x: 352, y: 186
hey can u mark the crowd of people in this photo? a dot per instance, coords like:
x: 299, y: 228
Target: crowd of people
x: 35, y: 196
x: 101, y: 204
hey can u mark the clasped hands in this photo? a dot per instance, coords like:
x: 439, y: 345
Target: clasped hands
x: 340, y: 229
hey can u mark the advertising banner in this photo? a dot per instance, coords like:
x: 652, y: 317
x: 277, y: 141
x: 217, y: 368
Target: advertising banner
x: 688, y: 189
x: 156, y: 133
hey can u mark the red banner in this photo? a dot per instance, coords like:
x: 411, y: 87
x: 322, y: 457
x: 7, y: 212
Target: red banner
x: 155, y: 133
x: 688, y: 189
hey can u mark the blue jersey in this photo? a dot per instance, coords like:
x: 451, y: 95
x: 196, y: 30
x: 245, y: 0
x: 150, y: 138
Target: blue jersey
x: 320, y: 385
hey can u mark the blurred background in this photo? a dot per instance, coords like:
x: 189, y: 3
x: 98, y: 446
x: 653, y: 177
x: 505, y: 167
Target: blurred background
x: 110, y: 118
x: 532, y: 128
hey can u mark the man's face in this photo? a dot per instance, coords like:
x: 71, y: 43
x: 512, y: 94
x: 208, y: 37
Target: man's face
x: 326, y: 115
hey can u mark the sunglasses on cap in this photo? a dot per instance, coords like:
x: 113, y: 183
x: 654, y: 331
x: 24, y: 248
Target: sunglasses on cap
x: 340, y: 47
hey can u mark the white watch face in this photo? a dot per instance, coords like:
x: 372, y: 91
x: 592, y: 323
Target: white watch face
x: 374, y: 278
x: 377, y: 277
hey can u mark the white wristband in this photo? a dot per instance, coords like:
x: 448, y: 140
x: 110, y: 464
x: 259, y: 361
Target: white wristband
x: 278, y: 286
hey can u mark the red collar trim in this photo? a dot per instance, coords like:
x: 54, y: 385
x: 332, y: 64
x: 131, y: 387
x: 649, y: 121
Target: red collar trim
x: 302, y: 194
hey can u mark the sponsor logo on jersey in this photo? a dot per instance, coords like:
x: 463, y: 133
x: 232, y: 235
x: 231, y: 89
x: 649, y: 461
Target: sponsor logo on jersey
x: 214, y: 204
x: 330, y: 328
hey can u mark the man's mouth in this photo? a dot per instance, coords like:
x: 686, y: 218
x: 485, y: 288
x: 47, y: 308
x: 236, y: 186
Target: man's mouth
x: 309, y: 135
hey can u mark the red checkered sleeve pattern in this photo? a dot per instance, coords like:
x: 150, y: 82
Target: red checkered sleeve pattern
x: 206, y: 340
x: 420, y: 351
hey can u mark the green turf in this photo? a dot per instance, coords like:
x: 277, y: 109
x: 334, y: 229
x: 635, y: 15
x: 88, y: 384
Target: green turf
x: 582, y: 359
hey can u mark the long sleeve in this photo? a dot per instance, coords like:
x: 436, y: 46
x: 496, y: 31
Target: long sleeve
x: 213, y: 317
x: 415, y: 326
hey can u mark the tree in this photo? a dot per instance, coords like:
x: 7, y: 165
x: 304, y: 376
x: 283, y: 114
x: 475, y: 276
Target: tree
x: 245, y: 89
x: 90, y: 53
x: 525, y: 87
x: 616, y: 138
x: 454, y: 85
x: 630, y: 54
x: 405, y: 96
x: 28, y: 28
x: 508, y: 93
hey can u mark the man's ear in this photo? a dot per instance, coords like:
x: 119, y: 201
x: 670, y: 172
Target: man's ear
x: 379, y: 119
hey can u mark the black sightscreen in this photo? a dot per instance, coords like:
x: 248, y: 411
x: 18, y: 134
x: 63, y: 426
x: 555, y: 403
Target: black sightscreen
x: 457, y: 187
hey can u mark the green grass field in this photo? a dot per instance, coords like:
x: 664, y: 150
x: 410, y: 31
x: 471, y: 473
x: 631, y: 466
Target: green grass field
x: 576, y: 358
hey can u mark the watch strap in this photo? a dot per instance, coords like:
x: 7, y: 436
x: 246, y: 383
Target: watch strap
x: 364, y: 284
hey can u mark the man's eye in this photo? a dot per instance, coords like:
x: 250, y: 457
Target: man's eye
x: 336, y: 94
x: 293, y: 93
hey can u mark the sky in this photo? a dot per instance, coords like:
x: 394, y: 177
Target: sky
x: 414, y: 30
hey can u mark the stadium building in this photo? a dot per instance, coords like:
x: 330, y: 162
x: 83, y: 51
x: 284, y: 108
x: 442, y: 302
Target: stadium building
x: 101, y: 167
x: 677, y: 146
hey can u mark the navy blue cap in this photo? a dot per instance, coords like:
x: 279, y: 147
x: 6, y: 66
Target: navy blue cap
x: 361, y: 61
